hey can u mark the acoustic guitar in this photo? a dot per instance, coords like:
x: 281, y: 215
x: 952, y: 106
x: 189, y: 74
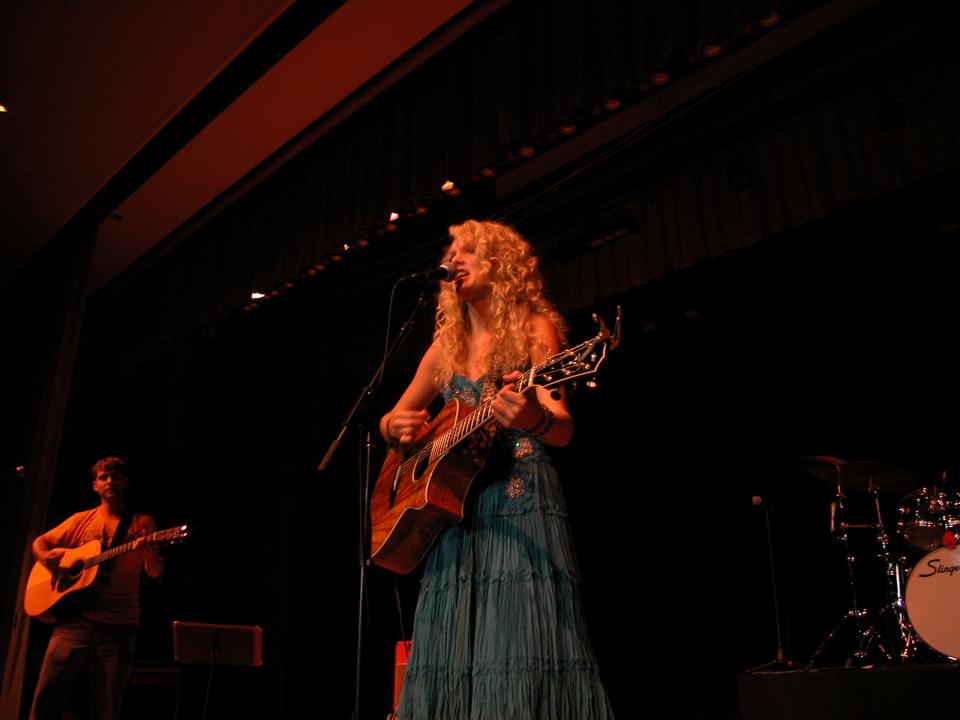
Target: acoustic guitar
x: 78, y: 568
x: 422, y: 488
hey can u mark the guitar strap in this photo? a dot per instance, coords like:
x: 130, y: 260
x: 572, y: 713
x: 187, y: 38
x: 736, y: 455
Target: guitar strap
x: 122, y: 527
x: 126, y: 517
x: 491, y: 386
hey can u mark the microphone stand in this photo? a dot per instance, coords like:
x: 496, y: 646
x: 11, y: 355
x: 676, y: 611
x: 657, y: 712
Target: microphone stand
x: 779, y: 661
x: 361, y: 403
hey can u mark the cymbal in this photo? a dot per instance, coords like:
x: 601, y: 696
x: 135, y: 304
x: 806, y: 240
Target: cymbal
x: 861, y: 475
x: 823, y: 466
x: 883, y: 476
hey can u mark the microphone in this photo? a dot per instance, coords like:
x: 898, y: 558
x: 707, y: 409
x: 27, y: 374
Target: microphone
x: 446, y: 272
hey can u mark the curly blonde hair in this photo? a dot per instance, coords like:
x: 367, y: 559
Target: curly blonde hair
x: 507, y: 262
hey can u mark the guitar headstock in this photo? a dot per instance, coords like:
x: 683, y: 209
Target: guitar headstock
x: 578, y: 362
x: 172, y: 535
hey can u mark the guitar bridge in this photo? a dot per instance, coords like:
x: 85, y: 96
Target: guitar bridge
x: 393, y: 488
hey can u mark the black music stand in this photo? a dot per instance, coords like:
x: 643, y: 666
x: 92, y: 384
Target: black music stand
x: 206, y: 644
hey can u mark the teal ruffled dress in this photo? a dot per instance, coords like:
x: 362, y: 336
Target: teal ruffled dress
x: 499, y: 632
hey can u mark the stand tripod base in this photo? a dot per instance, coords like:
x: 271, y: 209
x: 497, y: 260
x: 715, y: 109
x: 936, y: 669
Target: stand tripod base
x: 778, y: 664
x: 869, y: 648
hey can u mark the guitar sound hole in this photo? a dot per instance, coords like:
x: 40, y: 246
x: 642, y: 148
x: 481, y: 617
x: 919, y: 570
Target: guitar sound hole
x: 420, y: 467
x: 65, y: 581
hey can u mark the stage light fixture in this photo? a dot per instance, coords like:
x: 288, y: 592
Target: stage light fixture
x: 675, y: 64
x: 572, y: 120
x: 770, y: 20
x: 521, y: 149
x: 451, y: 188
x: 622, y: 96
x: 711, y: 50
x: 257, y: 295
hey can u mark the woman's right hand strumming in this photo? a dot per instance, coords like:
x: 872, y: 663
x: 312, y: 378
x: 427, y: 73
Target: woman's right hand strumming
x: 402, y: 426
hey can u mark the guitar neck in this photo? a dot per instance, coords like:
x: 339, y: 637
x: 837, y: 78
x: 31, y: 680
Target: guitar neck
x: 567, y: 365
x: 445, y: 442
x: 115, y: 551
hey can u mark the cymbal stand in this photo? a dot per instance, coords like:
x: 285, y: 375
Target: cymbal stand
x: 899, y: 629
x: 870, y: 634
x: 865, y: 634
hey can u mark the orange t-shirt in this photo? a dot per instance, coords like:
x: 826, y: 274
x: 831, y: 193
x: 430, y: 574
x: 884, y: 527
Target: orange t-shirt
x: 114, y: 596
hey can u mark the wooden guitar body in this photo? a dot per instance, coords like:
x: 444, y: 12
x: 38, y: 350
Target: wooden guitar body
x: 77, y: 569
x: 423, y: 488
x: 415, y: 498
x: 45, y: 589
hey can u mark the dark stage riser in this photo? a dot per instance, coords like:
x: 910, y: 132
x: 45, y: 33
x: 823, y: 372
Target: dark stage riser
x: 887, y: 693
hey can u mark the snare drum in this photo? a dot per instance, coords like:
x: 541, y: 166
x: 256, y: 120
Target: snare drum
x: 950, y: 502
x: 933, y: 600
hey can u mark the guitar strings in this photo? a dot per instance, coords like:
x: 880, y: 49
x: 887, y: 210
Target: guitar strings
x: 441, y: 445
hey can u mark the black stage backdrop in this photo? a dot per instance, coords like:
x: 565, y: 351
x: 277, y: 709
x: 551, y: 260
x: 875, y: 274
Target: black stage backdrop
x: 784, y: 254
x: 727, y: 376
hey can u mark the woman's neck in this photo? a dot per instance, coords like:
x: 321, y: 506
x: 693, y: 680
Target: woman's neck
x: 481, y: 315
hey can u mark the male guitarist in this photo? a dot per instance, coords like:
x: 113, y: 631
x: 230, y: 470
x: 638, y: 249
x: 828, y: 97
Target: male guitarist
x: 97, y: 626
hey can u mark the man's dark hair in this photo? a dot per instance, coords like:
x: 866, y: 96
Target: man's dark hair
x: 113, y: 464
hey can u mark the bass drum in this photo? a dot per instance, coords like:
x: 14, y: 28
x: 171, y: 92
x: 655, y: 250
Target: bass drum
x: 933, y: 599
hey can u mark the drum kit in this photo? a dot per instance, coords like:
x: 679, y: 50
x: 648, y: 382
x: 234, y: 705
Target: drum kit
x: 918, y: 618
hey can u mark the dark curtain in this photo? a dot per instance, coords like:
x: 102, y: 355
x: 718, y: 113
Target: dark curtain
x: 894, y: 125
x: 42, y: 326
x: 506, y: 80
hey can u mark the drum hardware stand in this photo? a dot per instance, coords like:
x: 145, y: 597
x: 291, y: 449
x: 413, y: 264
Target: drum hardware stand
x: 900, y: 631
x: 866, y: 635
